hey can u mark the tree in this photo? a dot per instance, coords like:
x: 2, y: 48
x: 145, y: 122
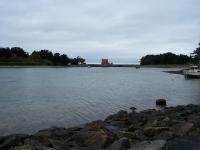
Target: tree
x: 45, y: 54
x: 197, y: 55
x: 80, y: 60
x: 18, y: 52
x: 5, y: 52
x: 35, y: 56
x: 64, y: 59
x: 56, y: 58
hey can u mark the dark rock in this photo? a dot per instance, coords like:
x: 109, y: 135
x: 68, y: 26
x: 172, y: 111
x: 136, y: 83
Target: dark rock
x: 94, y: 126
x: 23, y: 147
x: 41, y: 138
x: 166, y: 122
x: 121, y: 144
x: 183, y: 128
x: 185, y: 143
x: 111, y: 128
x: 132, y: 128
x: 63, y: 133
x: 28, y: 147
x: 166, y: 119
x: 122, y: 115
x: 109, y: 118
x: 149, y: 112
x: 150, y: 145
x: 89, y: 139
x: 59, y: 145
x: 142, y: 121
x: 165, y: 135
x: 43, y: 133
x: 33, y: 142
x: 195, y: 119
x: 12, y: 140
x: 119, y: 124
x: 152, y: 131
x: 53, y: 131
x: 122, y: 134
x: 76, y: 128
x: 138, y: 135
x: 161, y: 102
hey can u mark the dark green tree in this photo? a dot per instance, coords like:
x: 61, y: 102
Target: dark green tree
x: 197, y: 55
x: 45, y: 54
x: 18, y: 52
x: 56, y: 58
x: 80, y: 60
x: 35, y: 56
x: 64, y: 59
x: 5, y: 52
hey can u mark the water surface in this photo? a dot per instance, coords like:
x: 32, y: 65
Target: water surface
x: 36, y: 98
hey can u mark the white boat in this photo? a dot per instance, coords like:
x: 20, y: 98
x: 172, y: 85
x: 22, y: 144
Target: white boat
x: 193, y: 72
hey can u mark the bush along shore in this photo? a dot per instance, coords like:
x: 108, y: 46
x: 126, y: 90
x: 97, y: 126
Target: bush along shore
x: 146, y: 130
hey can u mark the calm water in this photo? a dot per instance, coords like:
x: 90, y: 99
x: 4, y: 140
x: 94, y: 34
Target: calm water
x: 36, y: 98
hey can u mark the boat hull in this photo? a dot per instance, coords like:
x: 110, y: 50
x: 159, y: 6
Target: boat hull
x: 192, y: 76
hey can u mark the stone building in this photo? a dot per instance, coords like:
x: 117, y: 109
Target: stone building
x: 105, y: 62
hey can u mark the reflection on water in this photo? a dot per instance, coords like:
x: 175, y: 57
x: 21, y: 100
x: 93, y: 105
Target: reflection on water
x: 35, y: 98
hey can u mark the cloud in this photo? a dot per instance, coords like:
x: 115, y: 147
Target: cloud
x: 120, y: 30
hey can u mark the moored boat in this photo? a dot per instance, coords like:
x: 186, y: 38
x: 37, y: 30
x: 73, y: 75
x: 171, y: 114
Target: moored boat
x: 193, y: 72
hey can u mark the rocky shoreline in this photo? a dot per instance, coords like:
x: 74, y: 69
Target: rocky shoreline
x: 146, y: 130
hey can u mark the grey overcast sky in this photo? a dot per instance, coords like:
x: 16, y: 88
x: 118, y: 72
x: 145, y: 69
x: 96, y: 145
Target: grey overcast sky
x: 121, y: 30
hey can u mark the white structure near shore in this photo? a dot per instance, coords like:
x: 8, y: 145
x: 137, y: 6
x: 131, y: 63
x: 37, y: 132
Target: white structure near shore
x: 193, y: 72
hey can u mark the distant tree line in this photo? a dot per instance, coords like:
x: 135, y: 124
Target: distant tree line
x: 170, y: 58
x: 166, y: 58
x: 55, y: 58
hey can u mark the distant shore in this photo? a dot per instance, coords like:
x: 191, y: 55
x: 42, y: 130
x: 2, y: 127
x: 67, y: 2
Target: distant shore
x: 169, y: 127
x: 95, y: 65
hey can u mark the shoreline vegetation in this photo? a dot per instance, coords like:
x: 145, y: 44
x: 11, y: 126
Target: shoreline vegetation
x: 17, y: 57
x: 166, y: 128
